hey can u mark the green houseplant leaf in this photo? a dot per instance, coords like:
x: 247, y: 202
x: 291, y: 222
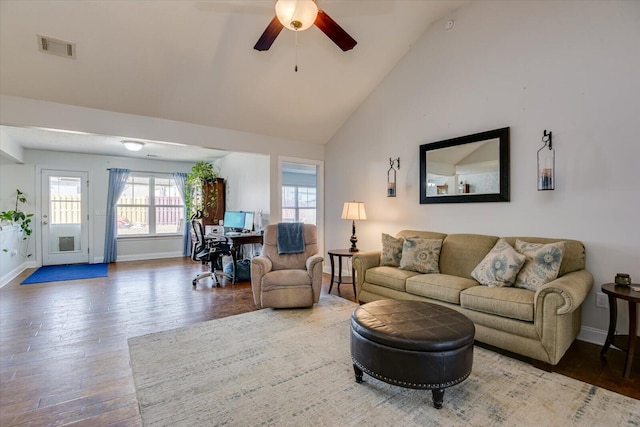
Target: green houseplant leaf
x: 197, y: 199
x: 18, y: 217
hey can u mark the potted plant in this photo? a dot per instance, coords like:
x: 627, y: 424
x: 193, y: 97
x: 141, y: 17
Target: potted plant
x: 18, y: 217
x: 201, y: 197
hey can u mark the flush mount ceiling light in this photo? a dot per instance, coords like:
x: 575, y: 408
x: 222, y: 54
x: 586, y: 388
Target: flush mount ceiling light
x: 296, y: 15
x: 133, y: 145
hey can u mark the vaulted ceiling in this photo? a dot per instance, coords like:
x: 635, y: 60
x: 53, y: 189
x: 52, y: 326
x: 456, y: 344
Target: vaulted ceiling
x: 193, y: 61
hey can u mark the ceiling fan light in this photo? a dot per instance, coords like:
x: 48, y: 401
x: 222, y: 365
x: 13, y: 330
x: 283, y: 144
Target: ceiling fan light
x: 133, y: 145
x: 296, y: 15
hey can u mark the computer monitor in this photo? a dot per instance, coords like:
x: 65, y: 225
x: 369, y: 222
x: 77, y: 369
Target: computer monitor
x: 238, y: 220
x: 248, y: 221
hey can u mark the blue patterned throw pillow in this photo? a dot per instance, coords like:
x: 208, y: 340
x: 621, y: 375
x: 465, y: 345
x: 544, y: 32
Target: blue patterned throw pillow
x: 499, y: 267
x: 542, y: 264
x: 421, y: 255
x: 391, y: 250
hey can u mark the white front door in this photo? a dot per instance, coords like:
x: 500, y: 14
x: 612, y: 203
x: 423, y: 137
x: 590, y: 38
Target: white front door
x: 65, y: 220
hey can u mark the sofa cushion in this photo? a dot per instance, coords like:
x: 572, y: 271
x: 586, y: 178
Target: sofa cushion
x: 506, y: 302
x: 421, y: 255
x: 500, y: 267
x: 542, y: 264
x: 442, y: 287
x: 279, y: 279
x: 574, y: 252
x: 391, y: 250
x: 421, y: 234
x: 389, y: 277
x: 461, y: 253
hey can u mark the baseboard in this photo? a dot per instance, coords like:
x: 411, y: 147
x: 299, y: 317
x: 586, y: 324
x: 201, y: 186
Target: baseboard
x: 592, y: 335
x: 14, y: 273
x: 155, y: 255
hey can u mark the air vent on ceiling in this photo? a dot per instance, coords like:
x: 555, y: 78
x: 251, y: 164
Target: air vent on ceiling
x: 57, y: 47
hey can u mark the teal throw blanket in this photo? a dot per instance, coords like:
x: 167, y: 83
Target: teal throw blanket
x: 290, y: 238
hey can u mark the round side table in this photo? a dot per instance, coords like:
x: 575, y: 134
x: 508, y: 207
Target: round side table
x: 626, y: 343
x: 341, y: 253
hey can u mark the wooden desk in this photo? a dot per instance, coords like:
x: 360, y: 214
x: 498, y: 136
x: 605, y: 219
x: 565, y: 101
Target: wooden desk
x: 237, y: 241
x: 626, y: 343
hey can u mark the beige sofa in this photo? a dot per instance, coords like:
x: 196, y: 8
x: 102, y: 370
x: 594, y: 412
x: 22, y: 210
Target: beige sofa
x: 539, y: 324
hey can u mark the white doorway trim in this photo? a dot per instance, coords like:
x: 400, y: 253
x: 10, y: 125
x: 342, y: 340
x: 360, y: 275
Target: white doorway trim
x: 39, y: 243
x: 277, y: 216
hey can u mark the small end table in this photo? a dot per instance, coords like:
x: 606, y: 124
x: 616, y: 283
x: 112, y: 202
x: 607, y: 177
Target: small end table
x: 626, y: 343
x: 341, y: 253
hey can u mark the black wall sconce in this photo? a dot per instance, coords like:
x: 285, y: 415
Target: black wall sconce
x: 546, y: 164
x: 391, y: 176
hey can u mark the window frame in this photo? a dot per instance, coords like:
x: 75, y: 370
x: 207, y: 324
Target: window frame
x: 151, y: 206
x: 297, y: 207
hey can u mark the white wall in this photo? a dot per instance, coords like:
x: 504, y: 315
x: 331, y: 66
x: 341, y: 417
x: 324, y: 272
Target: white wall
x: 14, y: 177
x: 569, y: 67
x: 9, y: 149
x: 247, y: 183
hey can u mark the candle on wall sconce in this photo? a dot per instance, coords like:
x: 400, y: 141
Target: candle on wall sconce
x: 391, y: 177
x: 546, y: 164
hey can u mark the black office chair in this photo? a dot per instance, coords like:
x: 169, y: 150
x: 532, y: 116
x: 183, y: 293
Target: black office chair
x: 209, y: 252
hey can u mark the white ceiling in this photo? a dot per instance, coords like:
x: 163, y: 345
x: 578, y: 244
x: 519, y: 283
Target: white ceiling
x: 54, y: 140
x: 193, y: 61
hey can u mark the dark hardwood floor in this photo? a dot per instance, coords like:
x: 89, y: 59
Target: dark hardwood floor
x: 63, y: 346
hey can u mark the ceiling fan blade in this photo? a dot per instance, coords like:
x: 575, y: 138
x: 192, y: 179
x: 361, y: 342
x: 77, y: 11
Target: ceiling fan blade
x: 334, y: 31
x: 269, y: 36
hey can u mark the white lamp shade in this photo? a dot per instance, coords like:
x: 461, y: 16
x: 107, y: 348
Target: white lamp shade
x: 296, y: 15
x: 133, y: 145
x: 354, y: 211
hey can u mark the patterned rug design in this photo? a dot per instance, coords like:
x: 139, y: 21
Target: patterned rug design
x: 293, y: 367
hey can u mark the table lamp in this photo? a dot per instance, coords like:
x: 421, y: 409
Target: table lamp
x: 354, y: 211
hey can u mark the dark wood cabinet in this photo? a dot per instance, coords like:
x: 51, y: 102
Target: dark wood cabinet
x: 217, y: 188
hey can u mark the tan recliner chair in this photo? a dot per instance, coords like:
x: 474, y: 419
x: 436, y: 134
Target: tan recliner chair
x: 287, y: 280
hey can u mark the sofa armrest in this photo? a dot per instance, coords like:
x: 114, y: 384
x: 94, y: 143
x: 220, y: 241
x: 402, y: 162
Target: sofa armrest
x: 260, y: 266
x: 312, y: 261
x: 314, y: 269
x: 572, y: 287
x: 557, y: 312
x: 362, y: 261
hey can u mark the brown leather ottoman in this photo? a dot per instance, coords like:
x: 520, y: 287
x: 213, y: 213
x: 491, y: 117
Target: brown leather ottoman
x: 412, y: 344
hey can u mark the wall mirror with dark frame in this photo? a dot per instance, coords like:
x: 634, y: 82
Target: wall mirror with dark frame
x: 471, y: 168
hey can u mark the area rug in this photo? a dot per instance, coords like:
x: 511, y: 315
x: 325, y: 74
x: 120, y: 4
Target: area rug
x: 293, y: 367
x: 56, y: 273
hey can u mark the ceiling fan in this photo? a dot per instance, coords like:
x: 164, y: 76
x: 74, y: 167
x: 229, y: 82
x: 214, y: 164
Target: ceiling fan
x: 298, y: 15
